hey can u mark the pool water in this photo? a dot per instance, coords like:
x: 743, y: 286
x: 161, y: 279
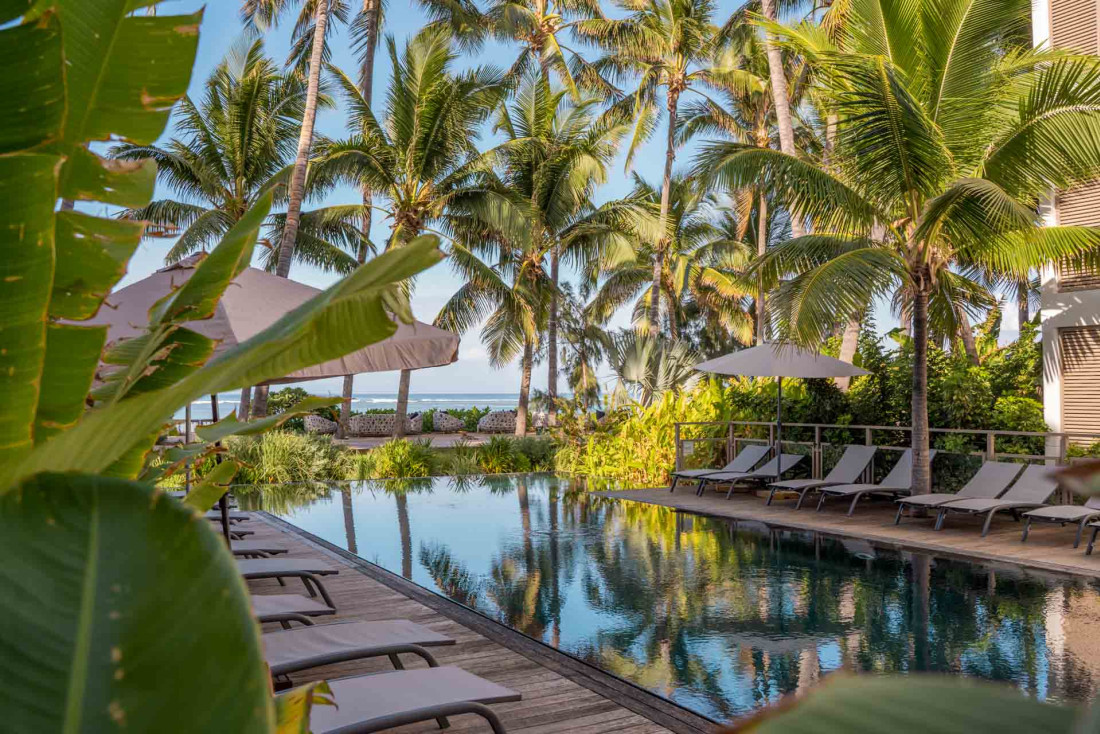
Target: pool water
x: 719, y: 616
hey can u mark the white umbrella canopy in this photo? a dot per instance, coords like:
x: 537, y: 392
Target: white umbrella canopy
x: 254, y: 301
x: 779, y: 361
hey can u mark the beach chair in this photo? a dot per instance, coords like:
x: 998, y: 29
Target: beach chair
x: 749, y: 457
x: 1081, y: 515
x: 370, y: 703
x: 898, y: 482
x: 852, y: 463
x: 1092, y: 538
x: 255, y: 548
x: 769, y: 471
x: 1031, y: 490
x: 990, y: 482
x: 293, y: 650
x: 279, y: 568
x: 287, y: 608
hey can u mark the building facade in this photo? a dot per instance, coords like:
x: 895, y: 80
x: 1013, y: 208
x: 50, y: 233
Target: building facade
x: 1070, y: 309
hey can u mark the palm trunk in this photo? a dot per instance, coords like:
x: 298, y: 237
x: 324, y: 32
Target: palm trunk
x: 245, y: 404
x: 524, y: 388
x: 1023, y: 312
x: 778, y: 78
x: 666, y: 185
x: 552, y: 340
x: 259, y: 401
x: 402, y: 411
x: 761, y: 248
x: 966, y: 334
x: 404, y: 529
x: 848, y: 343
x: 366, y: 87
x: 305, y: 141
x: 349, y: 520
x: 922, y: 470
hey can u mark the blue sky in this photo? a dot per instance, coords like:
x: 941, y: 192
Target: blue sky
x: 221, y: 28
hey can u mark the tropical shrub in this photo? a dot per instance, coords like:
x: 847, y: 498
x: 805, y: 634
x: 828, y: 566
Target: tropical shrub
x: 283, y: 457
x: 399, y: 460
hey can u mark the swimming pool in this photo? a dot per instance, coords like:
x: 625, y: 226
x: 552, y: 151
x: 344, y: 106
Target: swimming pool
x: 719, y: 616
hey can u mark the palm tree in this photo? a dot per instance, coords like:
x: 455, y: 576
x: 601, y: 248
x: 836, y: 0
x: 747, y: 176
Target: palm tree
x: 944, y: 147
x: 422, y: 158
x: 701, y: 266
x: 559, y: 150
x: 671, y: 44
x: 585, y: 345
x: 234, y: 144
x: 312, y: 24
x: 365, y: 38
x: 647, y: 368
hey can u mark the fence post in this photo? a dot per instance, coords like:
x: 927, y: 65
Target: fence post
x: 771, y: 438
x: 678, y: 460
x: 990, y: 446
x: 730, y: 447
x: 818, y: 460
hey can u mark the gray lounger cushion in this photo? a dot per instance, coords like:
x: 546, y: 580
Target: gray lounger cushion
x: 1032, y: 488
x: 369, y: 703
x: 288, y: 651
x: 252, y: 568
x: 1067, y: 513
x: 989, y: 482
x: 247, y: 547
x: 749, y: 457
x: 771, y: 469
x: 275, y: 605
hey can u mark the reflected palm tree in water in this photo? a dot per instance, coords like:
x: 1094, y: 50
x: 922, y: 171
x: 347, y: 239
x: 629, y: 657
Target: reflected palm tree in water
x: 450, y: 576
x: 349, y: 519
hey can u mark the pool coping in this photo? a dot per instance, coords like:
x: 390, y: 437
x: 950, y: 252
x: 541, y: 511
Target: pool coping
x: 627, y: 694
x: 860, y: 533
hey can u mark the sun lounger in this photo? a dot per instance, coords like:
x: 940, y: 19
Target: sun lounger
x: 749, y: 457
x: 990, y: 482
x: 234, y: 517
x: 291, y: 651
x: 279, y: 568
x: 1031, y: 490
x: 369, y: 703
x: 852, y: 463
x: 287, y: 608
x: 1081, y: 515
x: 1092, y: 538
x: 255, y: 548
x: 770, y: 471
x: 898, y: 482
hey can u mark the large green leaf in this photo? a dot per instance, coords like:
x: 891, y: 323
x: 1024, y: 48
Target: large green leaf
x: 73, y: 353
x: 352, y: 314
x: 204, y: 495
x: 122, y: 611
x: 913, y: 703
x: 27, y: 187
x: 32, y: 84
x: 91, y: 258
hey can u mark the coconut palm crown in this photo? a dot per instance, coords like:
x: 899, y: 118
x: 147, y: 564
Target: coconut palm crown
x: 233, y: 145
x: 950, y: 132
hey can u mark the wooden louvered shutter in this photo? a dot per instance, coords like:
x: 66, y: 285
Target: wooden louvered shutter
x: 1080, y: 379
x: 1075, y: 26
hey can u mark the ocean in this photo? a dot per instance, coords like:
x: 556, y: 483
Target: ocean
x: 418, y: 402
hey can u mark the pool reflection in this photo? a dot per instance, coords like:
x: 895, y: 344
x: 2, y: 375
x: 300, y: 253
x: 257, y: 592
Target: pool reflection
x: 720, y: 616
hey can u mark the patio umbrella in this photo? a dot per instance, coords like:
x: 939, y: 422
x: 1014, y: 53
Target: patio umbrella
x: 779, y: 361
x: 257, y: 299
x: 254, y: 301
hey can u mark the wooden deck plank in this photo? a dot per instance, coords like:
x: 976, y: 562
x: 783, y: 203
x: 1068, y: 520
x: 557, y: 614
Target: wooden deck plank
x: 1049, y: 547
x: 560, y: 694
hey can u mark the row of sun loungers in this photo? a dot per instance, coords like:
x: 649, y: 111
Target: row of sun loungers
x: 1018, y: 489
x: 365, y: 703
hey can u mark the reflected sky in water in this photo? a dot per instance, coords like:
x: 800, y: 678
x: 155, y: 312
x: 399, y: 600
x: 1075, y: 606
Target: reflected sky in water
x: 721, y: 617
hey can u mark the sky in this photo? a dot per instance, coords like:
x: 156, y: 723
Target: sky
x: 221, y: 29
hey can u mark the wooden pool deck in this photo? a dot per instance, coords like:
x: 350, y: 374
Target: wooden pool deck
x: 560, y: 693
x: 1049, y: 547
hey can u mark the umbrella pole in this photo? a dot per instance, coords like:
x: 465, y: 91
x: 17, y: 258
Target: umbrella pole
x: 779, y: 421
x: 223, y: 506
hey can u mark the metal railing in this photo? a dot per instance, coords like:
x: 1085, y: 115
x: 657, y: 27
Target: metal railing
x: 733, y: 434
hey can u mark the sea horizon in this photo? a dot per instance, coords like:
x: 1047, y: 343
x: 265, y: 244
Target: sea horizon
x: 361, y: 401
